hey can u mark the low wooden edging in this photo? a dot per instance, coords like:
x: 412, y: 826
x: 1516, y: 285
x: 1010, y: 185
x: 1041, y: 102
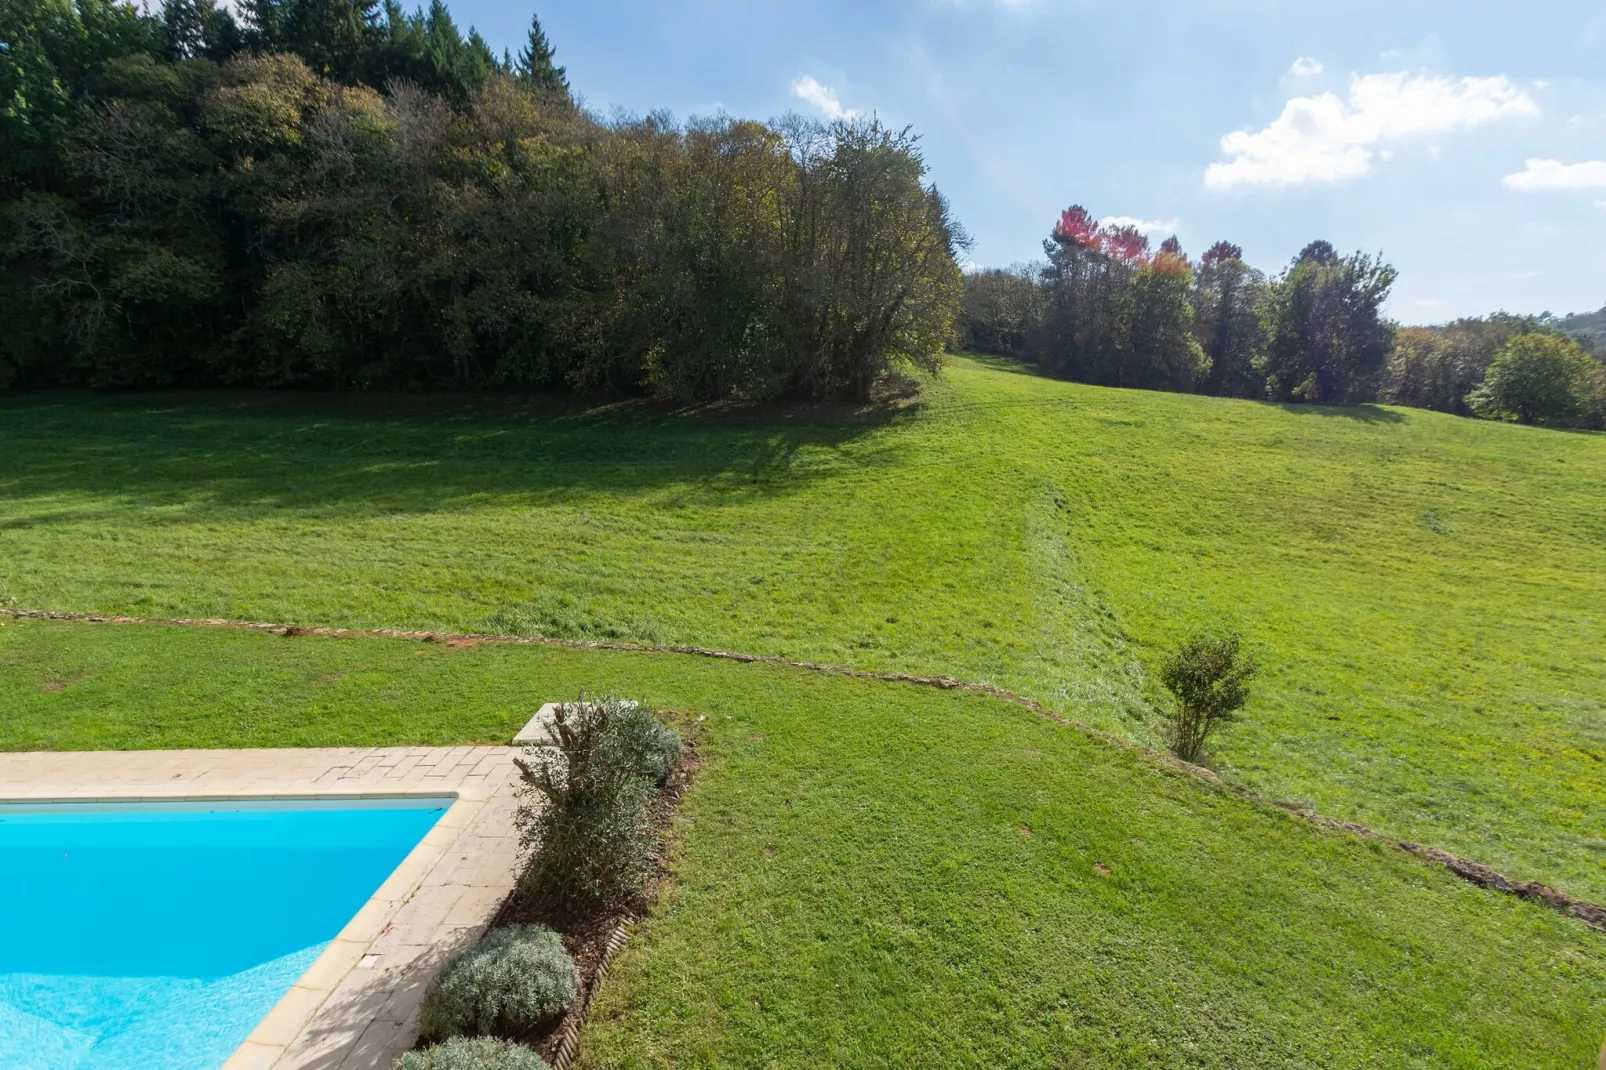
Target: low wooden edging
x: 1477, y: 873
x: 569, y: 1038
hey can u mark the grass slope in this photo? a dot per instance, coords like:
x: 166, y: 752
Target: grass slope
x: 881, y: 875
x: 1425, y: 592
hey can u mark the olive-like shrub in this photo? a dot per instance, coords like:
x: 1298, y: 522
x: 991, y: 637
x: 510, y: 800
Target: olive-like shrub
x: 584, y: 816
x: 473, y: 1053
x: 639, y: 741
x: 511, y: 983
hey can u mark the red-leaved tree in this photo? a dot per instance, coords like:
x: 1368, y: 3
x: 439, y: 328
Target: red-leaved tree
x: 1112, y: 312
x: 1077, y: 227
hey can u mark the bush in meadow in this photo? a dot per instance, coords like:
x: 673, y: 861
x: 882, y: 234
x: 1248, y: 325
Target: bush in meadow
x: 1209, y: 677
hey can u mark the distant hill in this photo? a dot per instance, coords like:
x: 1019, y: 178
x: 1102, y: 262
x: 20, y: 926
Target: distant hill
x: 1588, y: 327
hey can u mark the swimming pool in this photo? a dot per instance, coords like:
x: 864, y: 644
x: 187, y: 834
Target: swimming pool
x: 159, y: 934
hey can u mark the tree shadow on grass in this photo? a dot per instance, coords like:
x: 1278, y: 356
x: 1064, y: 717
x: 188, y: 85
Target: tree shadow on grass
x: 1013, y: 365
x: 75, y: 457
x: 1365, y: 413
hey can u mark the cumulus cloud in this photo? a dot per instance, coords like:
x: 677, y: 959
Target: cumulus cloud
x: 1305, y: 67
x: 1546, y: 175
x: 1328, y: 139
x: 823, y: 97
x: 1143, y: 226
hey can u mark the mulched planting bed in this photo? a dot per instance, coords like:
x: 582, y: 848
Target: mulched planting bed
x: 593, y: 940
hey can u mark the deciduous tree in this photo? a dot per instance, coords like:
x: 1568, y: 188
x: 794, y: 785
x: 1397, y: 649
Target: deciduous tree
x: 1437, y: 367
x: 1002, y: 306
x: 1541, y: 378
x: 1326, y: 338
x: 1227, y: 298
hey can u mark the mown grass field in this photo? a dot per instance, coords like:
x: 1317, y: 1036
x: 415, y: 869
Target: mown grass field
x: 883, y: 875
x: 1425, y: 593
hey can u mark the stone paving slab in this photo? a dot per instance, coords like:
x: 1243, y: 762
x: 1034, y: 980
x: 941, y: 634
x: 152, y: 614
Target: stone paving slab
x: 537, y: 732
x: 356, y: 1007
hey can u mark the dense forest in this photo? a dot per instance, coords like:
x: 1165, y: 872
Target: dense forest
x: 338, y: 194
x: 1104, y: 308
x: 331, y: 194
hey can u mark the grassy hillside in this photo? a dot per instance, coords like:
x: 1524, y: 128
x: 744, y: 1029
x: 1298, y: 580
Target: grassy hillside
x: 882, y: 875
x: 1423, y: 591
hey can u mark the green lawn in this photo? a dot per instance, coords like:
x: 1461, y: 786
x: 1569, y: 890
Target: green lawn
x: 882, y: 875
x: 1426, y: 593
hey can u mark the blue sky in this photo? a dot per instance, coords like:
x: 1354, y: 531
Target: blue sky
x: 1404, y: 127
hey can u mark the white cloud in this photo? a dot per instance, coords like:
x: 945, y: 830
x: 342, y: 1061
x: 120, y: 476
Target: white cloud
x: 1143, y: 226
x: 808, y: 89
x: 1305, y: 67
x: 1545, y: 175
x: 1326, y: 139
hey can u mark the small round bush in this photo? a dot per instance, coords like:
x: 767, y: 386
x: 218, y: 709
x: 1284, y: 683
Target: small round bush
x: 511, y: 983
x: 473, y: 1053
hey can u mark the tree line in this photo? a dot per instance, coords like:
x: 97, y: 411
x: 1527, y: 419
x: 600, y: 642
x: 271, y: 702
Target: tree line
x: 1105, y: 308
x: 334, y: 194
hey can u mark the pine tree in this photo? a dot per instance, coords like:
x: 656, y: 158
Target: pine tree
x: 181, y: 26
x: 331, y: 35
x: 194, y: 28
x: 535, y: 66
x: 264, y: 23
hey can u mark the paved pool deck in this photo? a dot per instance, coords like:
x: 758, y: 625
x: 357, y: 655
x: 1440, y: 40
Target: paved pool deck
x: 356, y: 1008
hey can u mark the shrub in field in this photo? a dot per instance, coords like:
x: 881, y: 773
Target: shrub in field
x: 1210, y: 678
x: 510, y: 983
x: 473, y: 1053
x: 585, y: 815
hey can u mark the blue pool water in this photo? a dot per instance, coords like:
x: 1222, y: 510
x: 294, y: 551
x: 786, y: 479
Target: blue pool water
x: 157, y: 936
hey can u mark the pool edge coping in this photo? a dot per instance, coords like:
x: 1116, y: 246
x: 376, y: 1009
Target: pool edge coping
x: 297, y: 1009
